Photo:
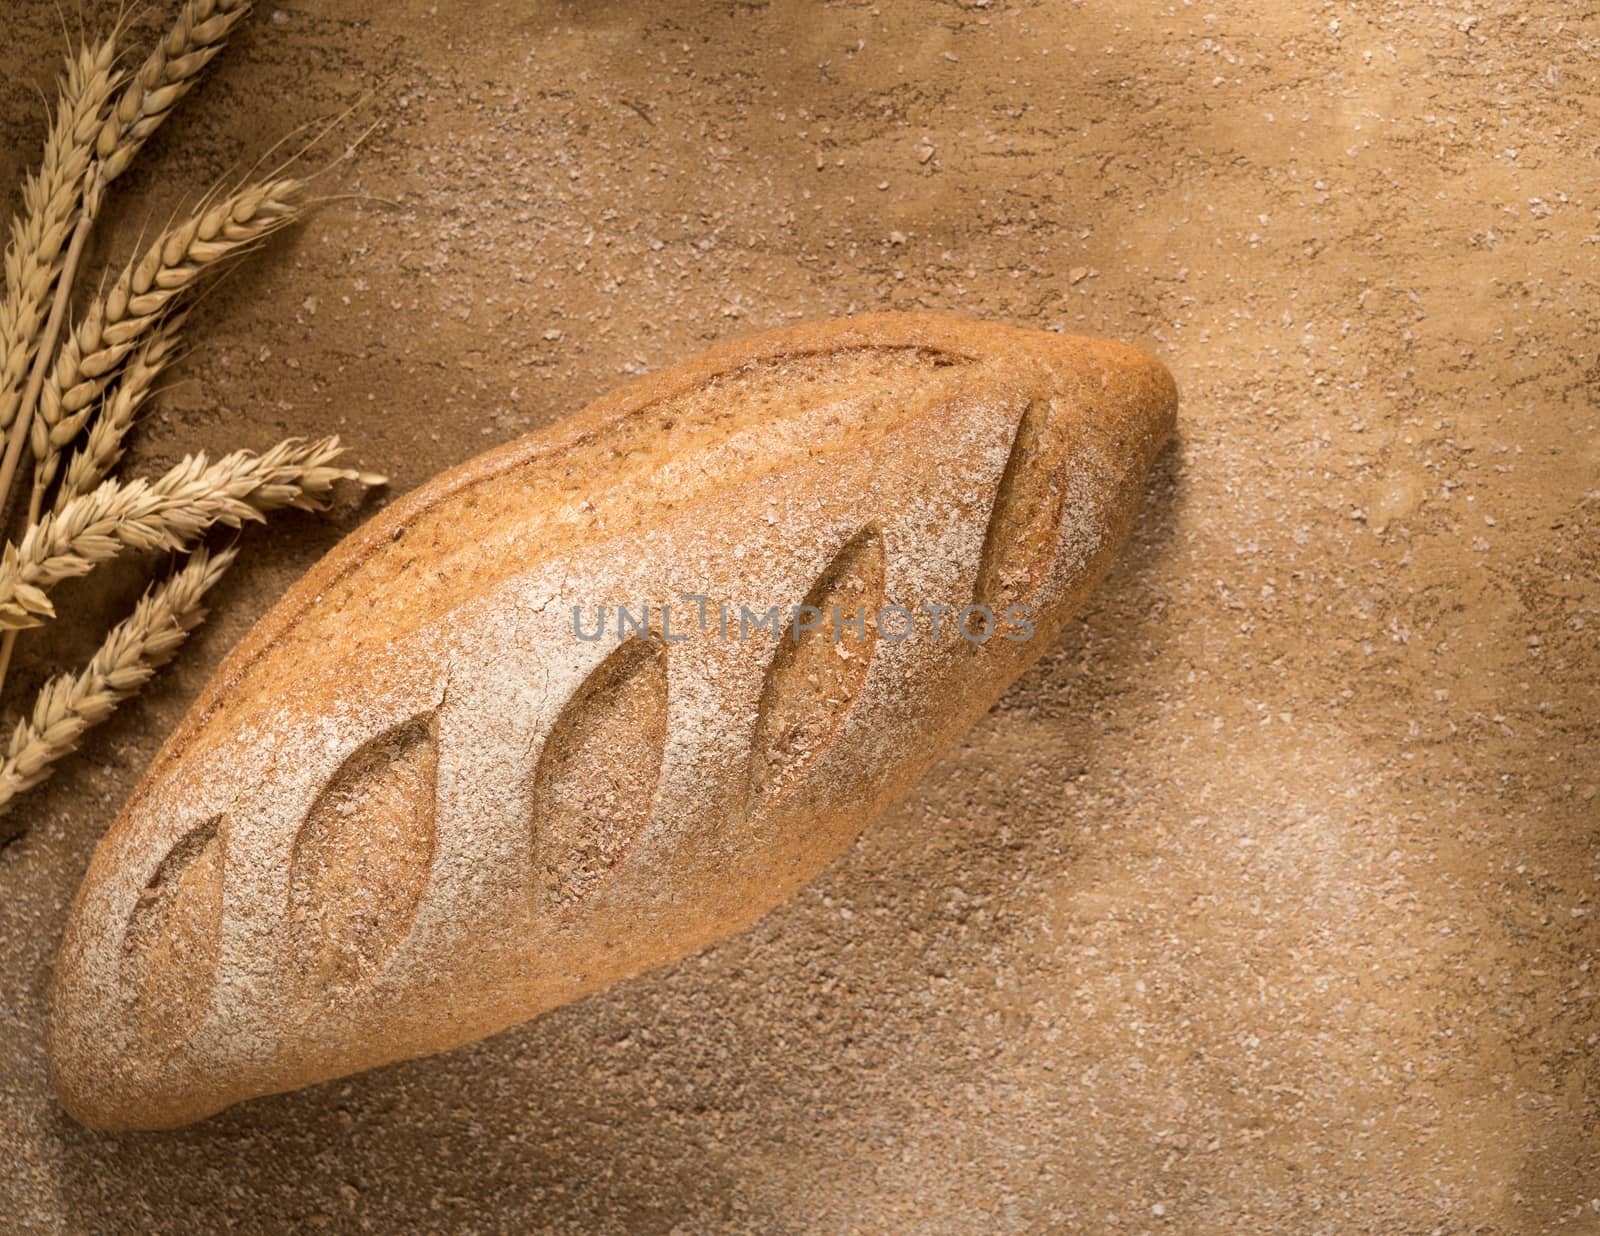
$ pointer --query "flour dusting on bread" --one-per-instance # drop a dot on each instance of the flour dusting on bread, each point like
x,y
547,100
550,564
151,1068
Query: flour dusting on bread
x,y
420,803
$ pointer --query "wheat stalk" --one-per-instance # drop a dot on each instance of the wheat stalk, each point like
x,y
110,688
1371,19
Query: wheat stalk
x,y
50,388
50,202
167,514
165,77
137,646
102,450
145,290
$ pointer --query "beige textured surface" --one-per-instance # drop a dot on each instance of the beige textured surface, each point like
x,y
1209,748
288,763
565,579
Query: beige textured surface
x,y
1268,900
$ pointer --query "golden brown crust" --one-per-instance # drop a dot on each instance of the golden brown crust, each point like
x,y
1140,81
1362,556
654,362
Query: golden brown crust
x,y
887,330
411,808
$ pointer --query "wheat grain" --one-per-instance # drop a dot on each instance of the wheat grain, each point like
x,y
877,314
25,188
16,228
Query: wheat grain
x,y
146,289
136,647
166,76
111,362
50,201
102,450
168,514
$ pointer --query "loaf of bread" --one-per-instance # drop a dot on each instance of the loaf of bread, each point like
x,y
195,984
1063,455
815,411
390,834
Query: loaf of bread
x,y
592,701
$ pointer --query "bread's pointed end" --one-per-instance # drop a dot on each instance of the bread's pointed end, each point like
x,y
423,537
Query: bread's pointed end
x,y
1141,412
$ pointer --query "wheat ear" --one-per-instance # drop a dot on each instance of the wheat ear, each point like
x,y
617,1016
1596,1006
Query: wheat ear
x,y
136,647
103,448
167,514
145,290
50,201
165,77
